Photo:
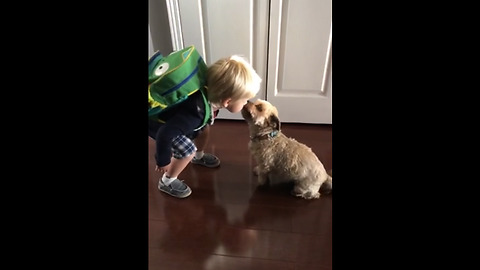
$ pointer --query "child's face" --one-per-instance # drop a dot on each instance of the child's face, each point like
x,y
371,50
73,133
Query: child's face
x,y
235,106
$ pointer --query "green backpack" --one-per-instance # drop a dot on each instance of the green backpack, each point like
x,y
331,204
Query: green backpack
x,y
173,78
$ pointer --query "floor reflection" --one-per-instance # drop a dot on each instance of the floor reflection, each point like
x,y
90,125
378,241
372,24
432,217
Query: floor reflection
x,y
230,223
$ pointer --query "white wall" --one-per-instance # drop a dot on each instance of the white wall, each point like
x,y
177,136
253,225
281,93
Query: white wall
x,y
150,43
159,28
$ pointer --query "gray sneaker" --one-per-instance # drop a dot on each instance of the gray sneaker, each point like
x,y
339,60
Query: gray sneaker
x,y
177,188
208,160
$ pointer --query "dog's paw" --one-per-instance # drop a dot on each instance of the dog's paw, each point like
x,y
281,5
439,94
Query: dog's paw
x,y
307,195
255,170
295,193
262,179
310,196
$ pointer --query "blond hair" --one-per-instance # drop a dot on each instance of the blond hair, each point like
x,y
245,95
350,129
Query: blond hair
x,y
231,77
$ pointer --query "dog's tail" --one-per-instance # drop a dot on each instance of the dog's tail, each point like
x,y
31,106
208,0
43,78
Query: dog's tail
x,y
326,186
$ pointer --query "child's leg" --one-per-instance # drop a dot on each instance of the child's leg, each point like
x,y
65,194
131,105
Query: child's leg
x,y
201,157
202,139
177,166
183,152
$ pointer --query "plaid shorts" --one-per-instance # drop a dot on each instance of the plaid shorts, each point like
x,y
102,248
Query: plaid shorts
x,y
182,147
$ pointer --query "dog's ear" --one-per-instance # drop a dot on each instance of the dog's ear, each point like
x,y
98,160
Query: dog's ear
x,y
275,122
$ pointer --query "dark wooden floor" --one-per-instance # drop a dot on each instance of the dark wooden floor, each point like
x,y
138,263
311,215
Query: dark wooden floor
x,y
228,223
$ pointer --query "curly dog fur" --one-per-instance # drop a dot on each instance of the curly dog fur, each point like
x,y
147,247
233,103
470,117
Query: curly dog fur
x,y
282,157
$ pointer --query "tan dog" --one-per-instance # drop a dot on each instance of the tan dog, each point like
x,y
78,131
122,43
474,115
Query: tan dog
x,y
278,156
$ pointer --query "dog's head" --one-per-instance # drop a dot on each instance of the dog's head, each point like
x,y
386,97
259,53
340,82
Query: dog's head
x,y
261,116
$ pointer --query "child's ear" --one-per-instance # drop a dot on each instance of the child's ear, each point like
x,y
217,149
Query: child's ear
x,y
226,102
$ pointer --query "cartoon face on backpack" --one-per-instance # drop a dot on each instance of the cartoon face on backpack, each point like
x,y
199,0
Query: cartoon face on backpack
x,y
159,67
173,78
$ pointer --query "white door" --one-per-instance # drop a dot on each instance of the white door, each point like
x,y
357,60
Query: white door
x,y
222,28
299,60
296,71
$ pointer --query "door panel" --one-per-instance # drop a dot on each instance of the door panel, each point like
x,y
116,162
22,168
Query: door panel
x,y
299,60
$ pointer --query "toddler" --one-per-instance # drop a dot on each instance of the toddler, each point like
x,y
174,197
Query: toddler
x,y
178,135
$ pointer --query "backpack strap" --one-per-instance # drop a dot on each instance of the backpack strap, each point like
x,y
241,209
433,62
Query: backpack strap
x,y
207,118
208,111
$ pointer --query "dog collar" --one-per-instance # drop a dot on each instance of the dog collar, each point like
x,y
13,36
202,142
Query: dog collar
x,y
270,135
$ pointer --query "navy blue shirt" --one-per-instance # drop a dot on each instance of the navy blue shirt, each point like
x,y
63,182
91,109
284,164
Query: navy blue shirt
x,y
182,119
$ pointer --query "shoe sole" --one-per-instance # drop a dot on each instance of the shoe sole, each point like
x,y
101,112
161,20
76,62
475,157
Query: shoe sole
x,y
203,164
176,196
